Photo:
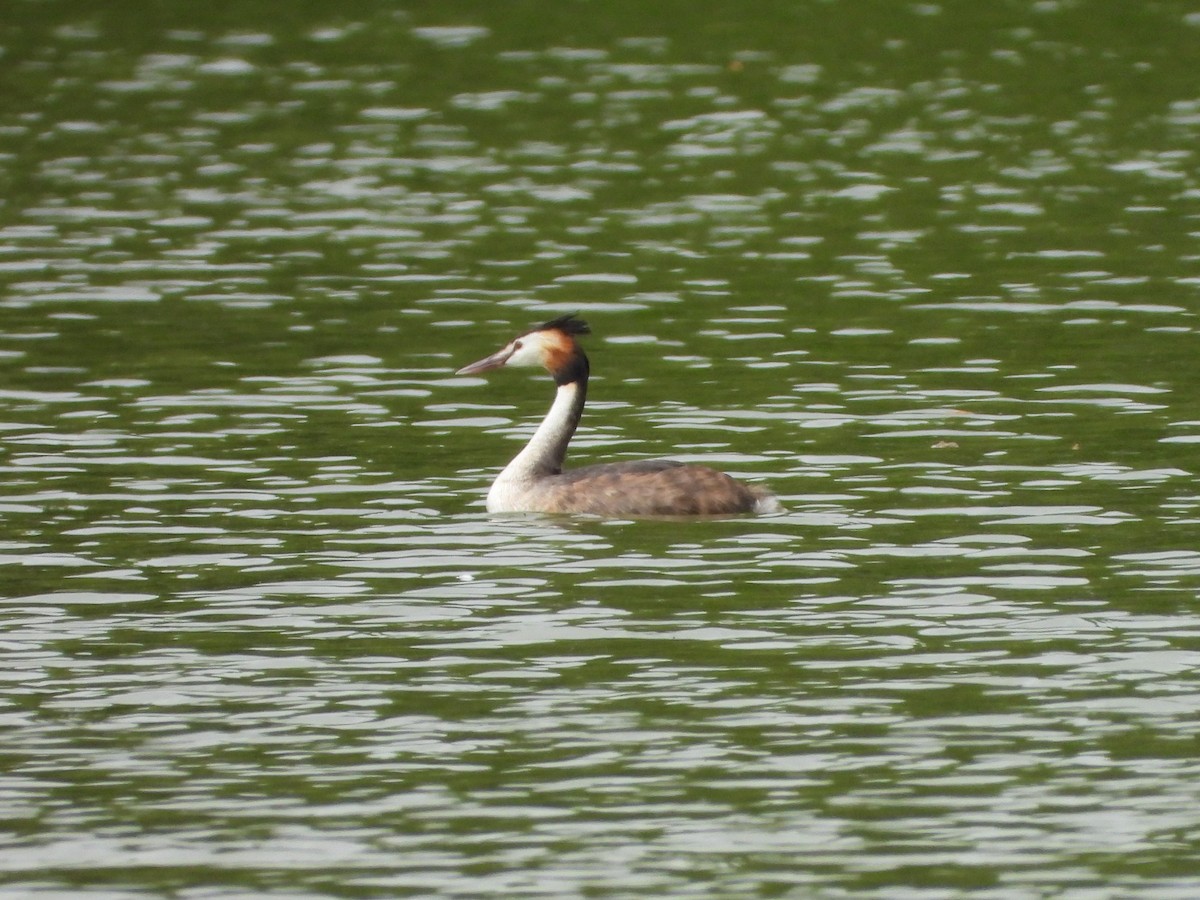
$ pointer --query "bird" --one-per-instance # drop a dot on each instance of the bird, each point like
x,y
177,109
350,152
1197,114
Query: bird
x,y
535,481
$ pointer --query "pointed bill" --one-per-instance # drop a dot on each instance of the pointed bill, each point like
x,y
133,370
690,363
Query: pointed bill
x,y
495,361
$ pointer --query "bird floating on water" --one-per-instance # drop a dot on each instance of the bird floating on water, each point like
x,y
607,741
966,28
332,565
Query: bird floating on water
x,y
535,481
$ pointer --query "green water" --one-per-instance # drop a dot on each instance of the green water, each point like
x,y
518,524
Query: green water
x,y
930,272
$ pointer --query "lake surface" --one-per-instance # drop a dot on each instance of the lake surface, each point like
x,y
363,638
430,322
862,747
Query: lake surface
x,y
930,272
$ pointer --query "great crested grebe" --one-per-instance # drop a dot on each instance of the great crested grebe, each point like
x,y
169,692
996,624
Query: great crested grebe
x,y
535,481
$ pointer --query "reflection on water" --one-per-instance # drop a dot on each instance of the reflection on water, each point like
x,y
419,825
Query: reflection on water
x,y
261,637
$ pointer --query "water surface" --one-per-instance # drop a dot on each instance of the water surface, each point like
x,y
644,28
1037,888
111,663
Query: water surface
x,y
928,273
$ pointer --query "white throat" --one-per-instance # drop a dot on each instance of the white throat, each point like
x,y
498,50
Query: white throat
x,y
546,450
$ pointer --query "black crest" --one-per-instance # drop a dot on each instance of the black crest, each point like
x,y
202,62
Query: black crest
x,y
570,323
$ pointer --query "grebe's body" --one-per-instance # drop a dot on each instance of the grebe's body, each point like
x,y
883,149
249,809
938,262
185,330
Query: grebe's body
x,y
535,481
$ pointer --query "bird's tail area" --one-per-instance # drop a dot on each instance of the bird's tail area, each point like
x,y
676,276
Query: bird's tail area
x,y
765,503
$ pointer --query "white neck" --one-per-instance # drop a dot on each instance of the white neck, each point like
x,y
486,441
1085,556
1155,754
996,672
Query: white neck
x,y
546,450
